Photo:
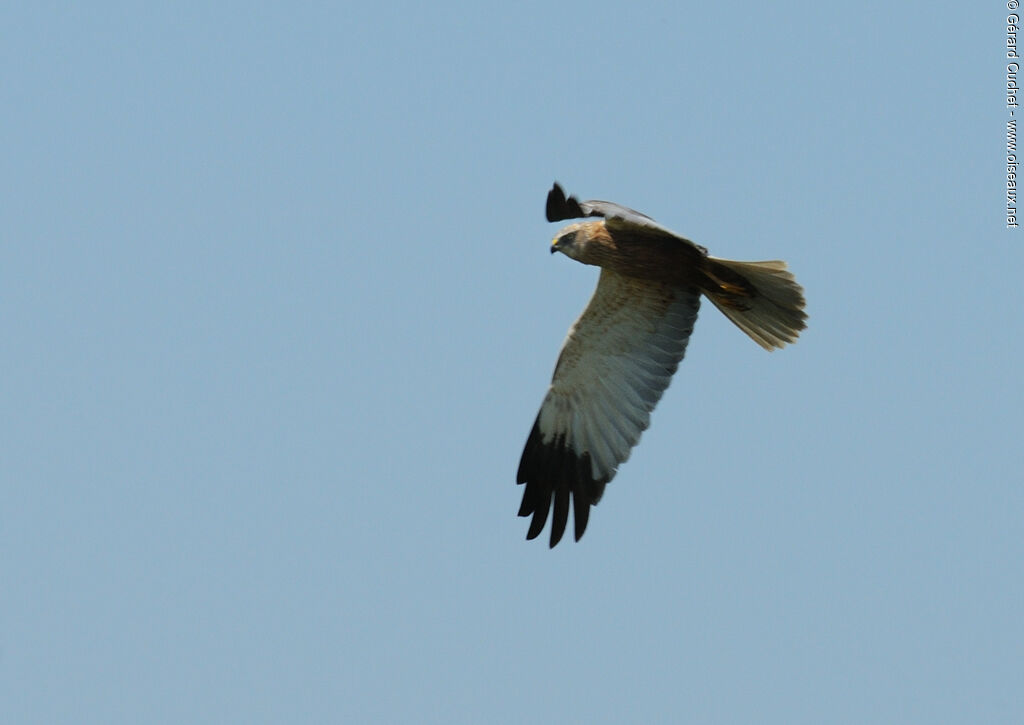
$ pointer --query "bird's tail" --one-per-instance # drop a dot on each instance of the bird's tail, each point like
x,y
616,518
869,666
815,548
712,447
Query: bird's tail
x,y
761,298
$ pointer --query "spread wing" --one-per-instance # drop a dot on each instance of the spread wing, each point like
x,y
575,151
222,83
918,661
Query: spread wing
x,y
615,364
559,207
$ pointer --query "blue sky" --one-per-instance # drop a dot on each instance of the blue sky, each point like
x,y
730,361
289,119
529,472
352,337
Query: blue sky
x,y
277,313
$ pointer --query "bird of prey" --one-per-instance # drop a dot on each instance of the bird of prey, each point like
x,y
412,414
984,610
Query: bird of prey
x,y
620,355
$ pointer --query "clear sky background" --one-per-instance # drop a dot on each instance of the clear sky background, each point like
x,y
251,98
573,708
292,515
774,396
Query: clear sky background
x,y
277,312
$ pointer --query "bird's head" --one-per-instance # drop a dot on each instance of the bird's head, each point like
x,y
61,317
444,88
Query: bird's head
x,y
570,241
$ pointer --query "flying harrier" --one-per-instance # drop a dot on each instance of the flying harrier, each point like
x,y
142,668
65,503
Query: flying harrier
x,y
621,353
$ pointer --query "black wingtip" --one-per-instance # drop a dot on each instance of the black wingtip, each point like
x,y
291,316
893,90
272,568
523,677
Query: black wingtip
x,y
559,207
557,480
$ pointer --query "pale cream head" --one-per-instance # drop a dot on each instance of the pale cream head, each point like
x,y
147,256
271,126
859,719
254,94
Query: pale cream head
x,y
570,240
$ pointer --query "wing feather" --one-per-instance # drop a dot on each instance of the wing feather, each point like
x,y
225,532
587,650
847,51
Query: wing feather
x,y
560,207
615,364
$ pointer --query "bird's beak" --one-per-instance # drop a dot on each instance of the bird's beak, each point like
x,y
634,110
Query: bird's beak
x,y
554,244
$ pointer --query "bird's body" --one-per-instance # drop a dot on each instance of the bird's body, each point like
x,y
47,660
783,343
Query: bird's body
x,y
635,252
620,355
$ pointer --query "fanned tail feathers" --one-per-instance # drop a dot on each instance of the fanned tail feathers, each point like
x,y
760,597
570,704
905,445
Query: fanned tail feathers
x,y
761,298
